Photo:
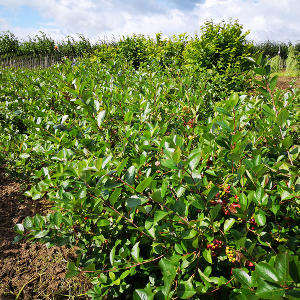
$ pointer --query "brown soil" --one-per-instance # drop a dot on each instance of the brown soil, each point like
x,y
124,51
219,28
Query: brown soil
x,y
27,270
284,82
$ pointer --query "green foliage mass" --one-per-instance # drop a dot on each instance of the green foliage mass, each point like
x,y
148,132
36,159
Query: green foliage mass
x,y
170,184
161,200
222,46
41,45
292,60
276,63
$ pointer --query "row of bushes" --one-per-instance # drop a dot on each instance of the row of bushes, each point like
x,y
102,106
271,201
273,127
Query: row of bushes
x,y
290,64
42,44
221,47
272,49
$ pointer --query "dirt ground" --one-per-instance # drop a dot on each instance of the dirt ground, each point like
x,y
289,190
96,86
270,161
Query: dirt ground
x,y
31,271
284,82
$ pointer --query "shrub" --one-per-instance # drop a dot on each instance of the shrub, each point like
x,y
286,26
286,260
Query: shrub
x,y
9,44
222,46
169,52
138,50
292,60
158,201
39,45
276,63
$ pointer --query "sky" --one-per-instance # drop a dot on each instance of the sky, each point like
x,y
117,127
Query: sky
x,y
275,20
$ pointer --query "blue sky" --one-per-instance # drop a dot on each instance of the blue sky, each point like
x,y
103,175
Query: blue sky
x,y
277,20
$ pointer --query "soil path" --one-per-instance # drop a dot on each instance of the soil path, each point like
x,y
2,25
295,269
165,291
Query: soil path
x,y
31,271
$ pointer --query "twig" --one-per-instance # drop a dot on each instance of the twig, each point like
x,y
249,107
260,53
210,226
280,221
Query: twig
x,y
22,288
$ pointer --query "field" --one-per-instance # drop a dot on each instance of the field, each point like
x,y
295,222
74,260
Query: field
x,y
150,178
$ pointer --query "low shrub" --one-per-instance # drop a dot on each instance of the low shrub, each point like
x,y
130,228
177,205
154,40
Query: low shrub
x,y
160,201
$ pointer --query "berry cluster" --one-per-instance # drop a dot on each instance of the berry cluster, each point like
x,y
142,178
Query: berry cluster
x,y
214,246
230,254
253,223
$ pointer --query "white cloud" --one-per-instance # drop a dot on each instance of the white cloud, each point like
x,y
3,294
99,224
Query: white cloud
x,y
267,19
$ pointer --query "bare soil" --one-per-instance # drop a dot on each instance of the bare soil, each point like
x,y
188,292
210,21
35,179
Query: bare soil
x,y
284,82
31,271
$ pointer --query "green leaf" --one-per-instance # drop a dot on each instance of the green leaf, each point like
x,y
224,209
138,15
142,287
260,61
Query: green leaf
x,y
215,211
260,71
189,234
242,277
100,117
168,163
212,193
176,155
164,187
283,116
103,222
121,166
295,293
223,111
228,224
114,196
144,184
156,196
135,252
234,99
19,228
169,273
57,218
130,175
207,255
135,200
178,248
185,289
72,270
267,272
41,234
282,266
27,223
194,159
260,217
294,267
141,295
98,163
273,82
159,215
243,200
268,290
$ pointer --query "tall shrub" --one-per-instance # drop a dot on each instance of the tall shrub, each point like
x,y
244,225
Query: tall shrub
x,y
222,46
9,44
276,63
291,62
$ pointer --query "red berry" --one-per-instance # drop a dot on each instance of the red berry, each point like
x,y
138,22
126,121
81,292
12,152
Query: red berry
x,y
250,264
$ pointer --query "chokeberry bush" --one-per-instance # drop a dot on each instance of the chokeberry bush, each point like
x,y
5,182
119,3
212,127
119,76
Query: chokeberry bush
x,y
161,200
